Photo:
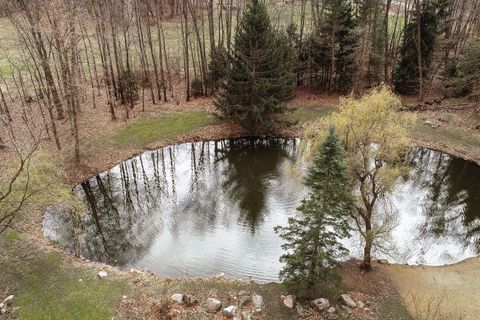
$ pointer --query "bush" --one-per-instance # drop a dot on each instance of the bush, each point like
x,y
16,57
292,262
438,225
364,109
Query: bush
x,y
197,87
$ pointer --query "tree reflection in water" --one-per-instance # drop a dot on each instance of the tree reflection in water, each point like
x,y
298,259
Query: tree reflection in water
x,y
209,207
452,203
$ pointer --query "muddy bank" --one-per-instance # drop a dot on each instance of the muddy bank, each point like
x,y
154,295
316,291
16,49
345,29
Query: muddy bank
x,y
453,288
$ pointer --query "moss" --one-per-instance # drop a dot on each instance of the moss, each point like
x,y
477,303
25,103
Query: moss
x,y
144,132
48,288
11,236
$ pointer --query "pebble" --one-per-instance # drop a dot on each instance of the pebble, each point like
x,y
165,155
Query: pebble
x,y
213,305
289,301
331,310
102,274
257,303
177,297
320,303
229,311
348,301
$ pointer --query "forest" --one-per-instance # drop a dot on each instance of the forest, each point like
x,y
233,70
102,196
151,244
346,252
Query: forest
x,y
113,113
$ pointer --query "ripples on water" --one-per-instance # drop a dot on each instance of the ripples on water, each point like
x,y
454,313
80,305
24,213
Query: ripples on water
x,y
204,208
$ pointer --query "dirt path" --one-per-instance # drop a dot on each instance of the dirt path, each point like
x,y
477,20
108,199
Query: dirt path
x,y
454,288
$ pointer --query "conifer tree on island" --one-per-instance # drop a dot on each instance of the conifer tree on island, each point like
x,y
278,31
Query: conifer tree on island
x,y
260,76
312,239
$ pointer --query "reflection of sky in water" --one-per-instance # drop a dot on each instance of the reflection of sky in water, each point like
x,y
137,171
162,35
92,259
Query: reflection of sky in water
x,y
205,208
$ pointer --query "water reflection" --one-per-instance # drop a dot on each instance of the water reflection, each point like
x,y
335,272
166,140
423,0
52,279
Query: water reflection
x,y
209,207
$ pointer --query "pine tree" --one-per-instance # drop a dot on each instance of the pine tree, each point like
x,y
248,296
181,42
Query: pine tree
x,y
406,75
328,54
260,76
312,240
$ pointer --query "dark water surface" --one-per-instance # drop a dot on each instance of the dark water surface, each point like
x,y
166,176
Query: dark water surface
x,y
201,209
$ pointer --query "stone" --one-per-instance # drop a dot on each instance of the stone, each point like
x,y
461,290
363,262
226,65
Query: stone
x,y
257,303
246,315
244,300
289,301
301,310
348,301
8,300
242,293
177,297
213,305
102,274
189,300
346,309
382,261
229,311
320,303
360,304
331,310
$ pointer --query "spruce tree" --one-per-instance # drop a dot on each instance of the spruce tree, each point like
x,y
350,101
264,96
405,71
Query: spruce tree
x,y
260,76
406,75
312,240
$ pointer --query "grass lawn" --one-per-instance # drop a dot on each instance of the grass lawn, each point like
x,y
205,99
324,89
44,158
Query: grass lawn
x,y
144,132
46,288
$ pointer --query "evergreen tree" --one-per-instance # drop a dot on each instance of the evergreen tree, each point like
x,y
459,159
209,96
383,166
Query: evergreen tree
x,y
217,67
260,76
312,240
345,66
406,75
335,40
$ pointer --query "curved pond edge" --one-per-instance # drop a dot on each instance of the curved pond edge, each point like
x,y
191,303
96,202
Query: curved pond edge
x,y
192,138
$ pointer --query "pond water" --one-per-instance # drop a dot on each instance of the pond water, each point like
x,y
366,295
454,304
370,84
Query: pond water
x,y
201,209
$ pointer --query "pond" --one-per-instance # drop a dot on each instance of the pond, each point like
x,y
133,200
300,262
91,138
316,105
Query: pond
x,y
200,209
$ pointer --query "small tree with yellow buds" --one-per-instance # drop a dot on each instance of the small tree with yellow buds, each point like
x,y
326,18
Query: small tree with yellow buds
x,y
374,135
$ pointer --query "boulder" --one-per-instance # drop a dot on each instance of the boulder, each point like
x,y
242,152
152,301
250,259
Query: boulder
x,y
331,310
348,301
289,301
177,297
213,305
257,303
320,303
229,311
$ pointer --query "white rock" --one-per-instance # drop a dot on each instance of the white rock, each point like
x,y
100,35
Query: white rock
x,y
289,301
346,309
360,304
229,311
8,300
124,297
257,303
348,301
331,310
320,303
213,305
247,315
242,293
177,297
103,274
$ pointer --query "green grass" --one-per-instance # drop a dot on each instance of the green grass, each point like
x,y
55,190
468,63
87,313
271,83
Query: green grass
x,y
304,114
141,133
46,288
450,136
